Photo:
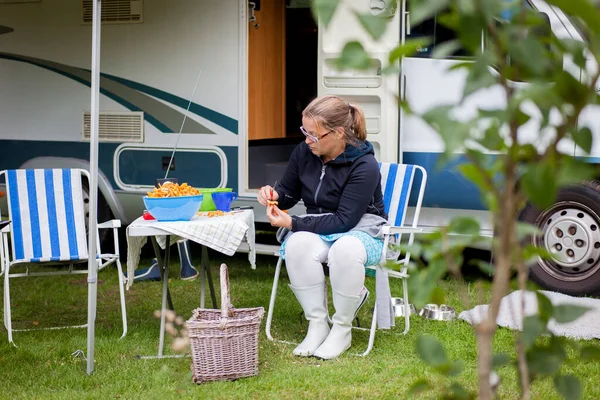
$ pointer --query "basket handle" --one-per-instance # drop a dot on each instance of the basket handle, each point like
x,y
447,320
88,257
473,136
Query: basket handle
x,y
225,300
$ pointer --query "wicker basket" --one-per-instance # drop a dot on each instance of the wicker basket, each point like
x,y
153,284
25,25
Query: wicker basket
x,y
224,343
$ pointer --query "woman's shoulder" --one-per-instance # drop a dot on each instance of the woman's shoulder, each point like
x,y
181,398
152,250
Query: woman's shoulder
x,y
368,161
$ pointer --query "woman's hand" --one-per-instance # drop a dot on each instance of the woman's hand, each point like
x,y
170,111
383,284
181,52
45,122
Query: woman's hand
x,y
265,194
278,218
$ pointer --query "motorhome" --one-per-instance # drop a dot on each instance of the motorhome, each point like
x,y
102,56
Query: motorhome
x,y
211,92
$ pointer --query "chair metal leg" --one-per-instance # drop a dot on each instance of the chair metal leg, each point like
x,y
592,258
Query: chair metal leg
x,y
122,297
272,301
406,308
372,332
7,316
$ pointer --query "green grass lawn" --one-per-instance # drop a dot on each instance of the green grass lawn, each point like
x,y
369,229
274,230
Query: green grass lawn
x,y
43,366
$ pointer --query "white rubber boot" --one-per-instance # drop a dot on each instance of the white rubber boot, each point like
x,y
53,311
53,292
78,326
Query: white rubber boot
x,y
312,299
340,337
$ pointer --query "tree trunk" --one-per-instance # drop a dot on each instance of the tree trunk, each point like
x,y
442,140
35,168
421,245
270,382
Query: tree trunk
x,y
486,330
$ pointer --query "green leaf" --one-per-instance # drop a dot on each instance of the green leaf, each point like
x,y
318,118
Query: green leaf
x,y
569,386
353,56
420,10
445,49
452,368
375,26
531,253
464,226
527,56
459,392
574,170
431,351
569,89
419,386
524,229
583,138
527,153
323,10
564,313
500,360
589,353
409,48
583,9
453,133
475,175
479,76
545,360
545,307
539,184
484,266
532,328
438,296
492,139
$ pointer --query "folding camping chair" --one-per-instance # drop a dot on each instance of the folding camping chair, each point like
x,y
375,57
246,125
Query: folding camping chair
x,y
47,211
397,182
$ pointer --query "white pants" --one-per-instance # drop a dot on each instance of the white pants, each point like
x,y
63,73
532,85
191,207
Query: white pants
x,y
346,258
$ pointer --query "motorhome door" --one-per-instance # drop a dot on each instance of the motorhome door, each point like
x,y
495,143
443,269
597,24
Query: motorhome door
x,y
370,89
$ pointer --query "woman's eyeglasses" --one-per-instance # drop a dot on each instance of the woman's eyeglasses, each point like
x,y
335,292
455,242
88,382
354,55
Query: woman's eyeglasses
x,y
313,138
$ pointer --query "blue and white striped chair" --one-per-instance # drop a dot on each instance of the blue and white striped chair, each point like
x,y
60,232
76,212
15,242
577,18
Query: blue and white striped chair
x,y
397,183
48,214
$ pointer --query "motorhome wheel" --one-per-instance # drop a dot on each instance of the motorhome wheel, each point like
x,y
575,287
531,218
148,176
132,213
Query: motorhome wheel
x,y
570,231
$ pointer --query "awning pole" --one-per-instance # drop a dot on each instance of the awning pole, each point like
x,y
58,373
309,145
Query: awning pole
x,y
93,217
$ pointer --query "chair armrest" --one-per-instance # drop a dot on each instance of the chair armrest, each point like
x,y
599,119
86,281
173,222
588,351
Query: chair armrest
x,y
391,230
113,223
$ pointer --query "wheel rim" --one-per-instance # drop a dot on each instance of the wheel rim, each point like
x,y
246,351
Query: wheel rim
x,y
571,234
86,207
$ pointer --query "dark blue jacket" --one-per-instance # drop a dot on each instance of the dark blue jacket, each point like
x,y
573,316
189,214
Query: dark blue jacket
x,y
345,188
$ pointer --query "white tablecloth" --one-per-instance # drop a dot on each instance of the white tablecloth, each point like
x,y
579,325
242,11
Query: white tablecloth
x,y
224,234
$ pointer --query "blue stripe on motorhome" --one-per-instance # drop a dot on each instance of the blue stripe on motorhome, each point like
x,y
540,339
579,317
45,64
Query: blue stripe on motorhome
x,y
220,119
51,209
446,186
70,214
147,117
408,174
13,153
34,215
15,211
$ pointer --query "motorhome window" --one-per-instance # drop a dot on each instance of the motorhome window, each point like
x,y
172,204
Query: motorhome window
x,y
579,27
439,34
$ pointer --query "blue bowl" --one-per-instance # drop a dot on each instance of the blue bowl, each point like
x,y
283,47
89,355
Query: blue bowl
x,y
181,208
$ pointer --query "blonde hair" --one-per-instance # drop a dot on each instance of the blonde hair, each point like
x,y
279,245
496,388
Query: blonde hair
x,y
332,112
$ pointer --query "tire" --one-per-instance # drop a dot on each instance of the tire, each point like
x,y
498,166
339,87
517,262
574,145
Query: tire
x,y
104,214
570,231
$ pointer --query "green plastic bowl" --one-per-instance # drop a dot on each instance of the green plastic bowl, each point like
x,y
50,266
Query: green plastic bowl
x,y
207,201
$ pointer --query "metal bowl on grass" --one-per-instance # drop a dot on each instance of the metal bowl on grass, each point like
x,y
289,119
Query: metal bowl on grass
x,y
442,312
398,304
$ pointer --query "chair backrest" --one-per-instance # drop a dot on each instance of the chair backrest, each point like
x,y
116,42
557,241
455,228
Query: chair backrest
x,y
47,212
396,185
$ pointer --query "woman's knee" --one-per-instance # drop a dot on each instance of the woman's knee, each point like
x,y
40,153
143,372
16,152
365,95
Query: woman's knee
x,y
305,245
347,250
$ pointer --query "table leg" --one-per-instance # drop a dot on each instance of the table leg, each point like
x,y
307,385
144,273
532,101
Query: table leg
x,y
161,264
165,294
206,270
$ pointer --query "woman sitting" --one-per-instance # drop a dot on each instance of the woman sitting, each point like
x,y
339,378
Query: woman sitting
x,y
335,173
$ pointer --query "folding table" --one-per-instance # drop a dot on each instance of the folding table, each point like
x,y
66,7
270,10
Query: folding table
x,y
222,233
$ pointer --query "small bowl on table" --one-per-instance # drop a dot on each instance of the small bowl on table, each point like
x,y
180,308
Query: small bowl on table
x,y
181,208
